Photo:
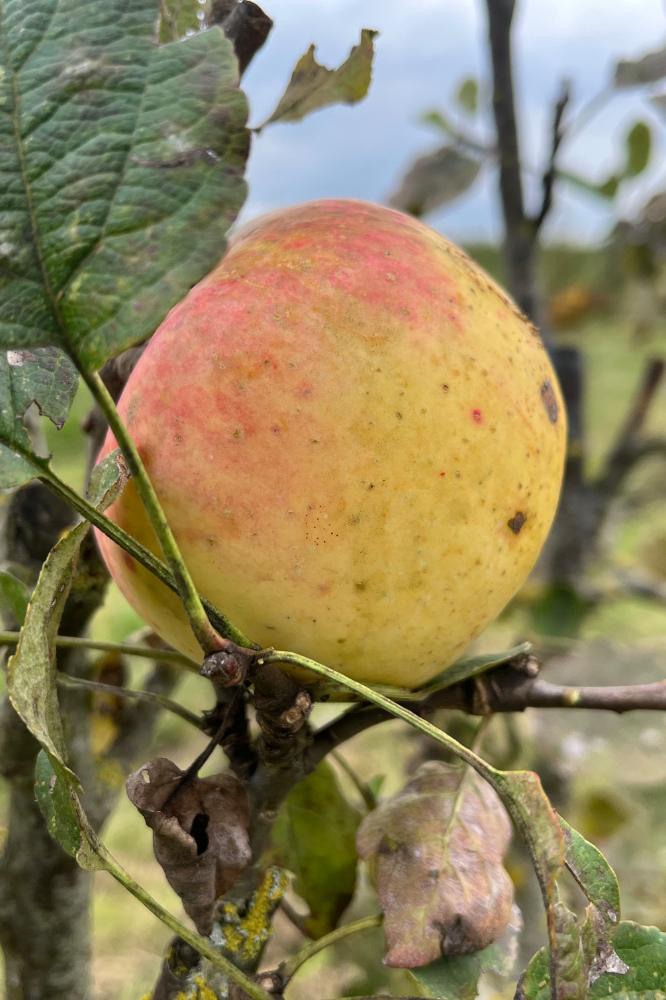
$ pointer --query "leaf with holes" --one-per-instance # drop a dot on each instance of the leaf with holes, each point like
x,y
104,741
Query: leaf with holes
x,y
313,86
435,179
436,850
44,377
121,169
314,837
638,971
200,832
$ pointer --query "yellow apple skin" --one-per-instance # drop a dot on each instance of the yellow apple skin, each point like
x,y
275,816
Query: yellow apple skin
x,y
357,438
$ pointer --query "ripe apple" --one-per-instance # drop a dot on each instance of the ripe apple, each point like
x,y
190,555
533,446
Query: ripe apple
x,y
357,438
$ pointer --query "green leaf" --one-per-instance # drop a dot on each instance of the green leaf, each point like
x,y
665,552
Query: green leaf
x,y
315,838
602,189
121,168
648,69
593,873
456,977
14,597
58,801
313,86
471,666
436,119
44,377
108,480
467,95
434,180
557,610
31,672
638,143
461,670
641,952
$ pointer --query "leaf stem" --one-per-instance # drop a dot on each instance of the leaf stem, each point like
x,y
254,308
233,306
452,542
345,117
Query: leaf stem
x,y
148,697
205,632
289,968
127,648
200,944
142,555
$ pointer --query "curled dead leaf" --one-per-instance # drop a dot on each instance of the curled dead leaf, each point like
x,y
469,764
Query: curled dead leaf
x,y
436,849
200,832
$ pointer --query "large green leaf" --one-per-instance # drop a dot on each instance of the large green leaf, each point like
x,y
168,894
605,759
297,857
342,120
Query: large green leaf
x,y
641,953
315,838
31,672
44,376
313,86
121,167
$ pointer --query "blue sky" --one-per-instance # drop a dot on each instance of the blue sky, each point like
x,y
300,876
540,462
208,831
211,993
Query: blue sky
x,y
424,49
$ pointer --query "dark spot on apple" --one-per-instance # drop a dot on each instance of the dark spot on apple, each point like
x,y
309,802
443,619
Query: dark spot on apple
x,y
517,521
549,400
360,586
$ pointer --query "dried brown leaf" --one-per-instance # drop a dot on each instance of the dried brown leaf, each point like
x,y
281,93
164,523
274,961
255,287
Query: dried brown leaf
x,y
436,848
200,832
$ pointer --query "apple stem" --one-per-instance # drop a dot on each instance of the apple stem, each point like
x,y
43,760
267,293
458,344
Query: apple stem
x,y
205,633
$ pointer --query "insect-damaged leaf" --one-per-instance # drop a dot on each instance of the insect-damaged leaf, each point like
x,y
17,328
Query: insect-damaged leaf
x,y
242,21
638,971
313,86
314,837
436,849
44,377
200,832
31,672
434,179
121,166
108,480
593,873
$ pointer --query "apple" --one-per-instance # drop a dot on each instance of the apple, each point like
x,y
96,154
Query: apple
x,y
357,438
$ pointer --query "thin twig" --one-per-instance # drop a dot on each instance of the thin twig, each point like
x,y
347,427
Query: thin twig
x,y
148,697
506,689
548,180
627,449
126,648
289,968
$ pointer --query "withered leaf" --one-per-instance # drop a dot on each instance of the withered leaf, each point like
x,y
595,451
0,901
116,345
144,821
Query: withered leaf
x,y
437,849
200,832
